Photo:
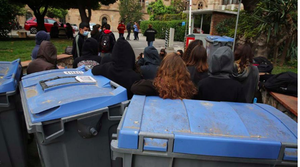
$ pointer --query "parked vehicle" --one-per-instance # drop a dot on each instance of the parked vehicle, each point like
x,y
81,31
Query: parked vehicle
x,y
91,26
74,27
31,24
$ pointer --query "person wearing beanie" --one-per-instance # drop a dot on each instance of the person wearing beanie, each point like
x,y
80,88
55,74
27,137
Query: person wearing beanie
x,y
39,38
121,69
46,58
149,63
219,86
89,56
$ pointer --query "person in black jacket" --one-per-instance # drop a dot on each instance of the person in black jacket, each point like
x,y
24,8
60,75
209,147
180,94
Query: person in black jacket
x,y
54,30
121,68
197,64
245,72
150,35
149,62
107,41
89,56
219,86
128,27
79,40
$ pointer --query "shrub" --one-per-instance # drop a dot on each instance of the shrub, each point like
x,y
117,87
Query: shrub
x,y
162,26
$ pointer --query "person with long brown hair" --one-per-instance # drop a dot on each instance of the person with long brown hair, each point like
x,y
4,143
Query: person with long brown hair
x,y
96,32
245,72
189,49
197,64
172,81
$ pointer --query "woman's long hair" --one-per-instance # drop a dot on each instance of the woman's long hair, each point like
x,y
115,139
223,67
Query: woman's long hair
x,y
173,80
95,29
244,56
189,49
198,59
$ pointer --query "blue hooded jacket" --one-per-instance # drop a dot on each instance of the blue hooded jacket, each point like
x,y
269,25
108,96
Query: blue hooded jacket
x,y
39,38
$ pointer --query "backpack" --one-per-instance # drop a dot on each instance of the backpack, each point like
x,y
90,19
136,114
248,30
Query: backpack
x,y
263,64
68,50
285,83
105,43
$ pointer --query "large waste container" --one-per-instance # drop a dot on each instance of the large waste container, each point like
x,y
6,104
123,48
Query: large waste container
x,y
12,138
163,132
214,42
73,115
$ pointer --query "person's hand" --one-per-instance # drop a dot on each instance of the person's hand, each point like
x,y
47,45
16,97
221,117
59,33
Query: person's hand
x,y
142,55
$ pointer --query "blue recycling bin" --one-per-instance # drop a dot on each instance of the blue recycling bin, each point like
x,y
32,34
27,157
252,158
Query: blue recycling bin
x,y
73,115
12,137
163,132
214,42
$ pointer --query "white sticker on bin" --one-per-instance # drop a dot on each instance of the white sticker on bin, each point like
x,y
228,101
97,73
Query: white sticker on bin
x,y
73,72
85,79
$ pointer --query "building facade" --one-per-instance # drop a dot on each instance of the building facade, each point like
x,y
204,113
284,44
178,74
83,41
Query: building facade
x,y
110,13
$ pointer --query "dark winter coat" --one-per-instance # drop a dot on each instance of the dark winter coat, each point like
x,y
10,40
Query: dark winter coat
x,y
89,56
219,86
54,32
128,27
81,40
39,38
195,75
249,80
46,58
150,63
121,68
96,36
144,87
150,34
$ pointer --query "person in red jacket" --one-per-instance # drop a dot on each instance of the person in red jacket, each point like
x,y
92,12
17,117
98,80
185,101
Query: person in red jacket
x,y
121,29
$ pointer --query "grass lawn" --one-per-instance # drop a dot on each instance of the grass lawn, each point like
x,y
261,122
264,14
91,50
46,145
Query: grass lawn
x,y
278,69
14,49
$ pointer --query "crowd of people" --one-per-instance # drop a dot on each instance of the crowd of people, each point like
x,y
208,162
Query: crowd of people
x,y
223,76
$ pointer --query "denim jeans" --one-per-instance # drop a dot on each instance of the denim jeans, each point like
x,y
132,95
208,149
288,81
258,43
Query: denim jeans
x,y
150,43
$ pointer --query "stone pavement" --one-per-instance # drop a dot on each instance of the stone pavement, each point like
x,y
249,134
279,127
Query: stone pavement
x,y
139,46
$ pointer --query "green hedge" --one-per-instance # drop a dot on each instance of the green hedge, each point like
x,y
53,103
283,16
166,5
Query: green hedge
x,y
162,26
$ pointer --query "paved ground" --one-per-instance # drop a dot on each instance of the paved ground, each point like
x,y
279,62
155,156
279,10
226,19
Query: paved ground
x,y
138,46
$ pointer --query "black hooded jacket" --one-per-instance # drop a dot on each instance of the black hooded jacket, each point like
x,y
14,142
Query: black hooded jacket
x,y
219,86
150,63
89,56
121,68
249,80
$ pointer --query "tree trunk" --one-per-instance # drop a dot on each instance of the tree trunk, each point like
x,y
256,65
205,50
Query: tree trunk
x,y
250,5
39,16
285,50
83,15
